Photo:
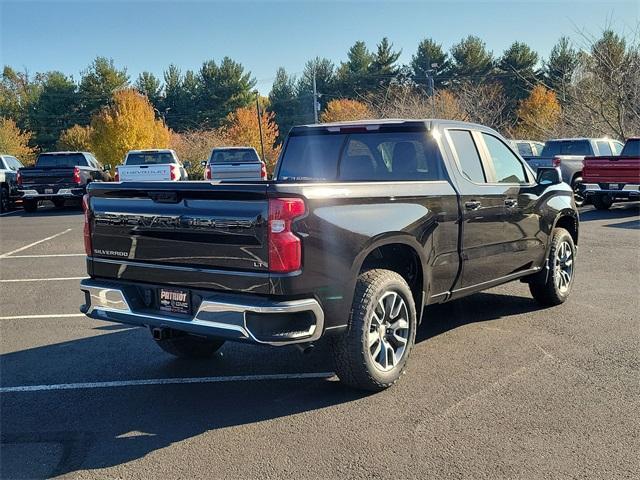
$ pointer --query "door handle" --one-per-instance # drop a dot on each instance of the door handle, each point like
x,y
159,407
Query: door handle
x,y
472,205
511,202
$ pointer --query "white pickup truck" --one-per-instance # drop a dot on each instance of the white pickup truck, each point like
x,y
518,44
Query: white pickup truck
x,y
151,166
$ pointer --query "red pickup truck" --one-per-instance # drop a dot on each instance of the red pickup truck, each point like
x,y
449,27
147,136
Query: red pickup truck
x,y
607,179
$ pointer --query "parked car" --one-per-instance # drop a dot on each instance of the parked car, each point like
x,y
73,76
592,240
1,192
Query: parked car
x,y
611,178
151,166
528,148
59,176
364,224
234,163
568,153
9,167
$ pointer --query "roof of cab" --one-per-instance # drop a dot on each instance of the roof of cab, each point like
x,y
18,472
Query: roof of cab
x,y
427,123
152,150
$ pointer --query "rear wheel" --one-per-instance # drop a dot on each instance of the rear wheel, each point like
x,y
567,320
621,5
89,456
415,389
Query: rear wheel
x,y
30,205
184,345
556,287
373,353
58,202
602,202
5,203
578,196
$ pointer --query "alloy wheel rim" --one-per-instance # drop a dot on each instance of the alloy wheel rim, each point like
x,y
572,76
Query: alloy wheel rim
x,y
577,195
388,331
563,267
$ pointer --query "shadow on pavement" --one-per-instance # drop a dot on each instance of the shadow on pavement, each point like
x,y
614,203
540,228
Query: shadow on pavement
x,y
52,433
619,210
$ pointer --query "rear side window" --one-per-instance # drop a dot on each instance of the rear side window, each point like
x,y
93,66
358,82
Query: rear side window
x,y
468,157
149,158
567,147
370,156
617,147
604,148
236,155
61,160
506,165
525,150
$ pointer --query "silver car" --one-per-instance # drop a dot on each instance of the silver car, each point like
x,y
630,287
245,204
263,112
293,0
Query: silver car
x,y
234,163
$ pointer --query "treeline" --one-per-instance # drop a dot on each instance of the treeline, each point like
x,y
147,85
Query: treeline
x,y
590,91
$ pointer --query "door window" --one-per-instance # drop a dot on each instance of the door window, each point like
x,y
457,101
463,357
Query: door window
x,y
506,165
604,148
468,157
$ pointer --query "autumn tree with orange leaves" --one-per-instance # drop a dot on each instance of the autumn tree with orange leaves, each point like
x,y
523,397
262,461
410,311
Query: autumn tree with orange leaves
x,y
344,109
538,115
242,130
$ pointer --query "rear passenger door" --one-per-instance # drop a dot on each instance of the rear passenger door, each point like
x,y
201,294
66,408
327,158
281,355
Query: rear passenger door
x,y
482,210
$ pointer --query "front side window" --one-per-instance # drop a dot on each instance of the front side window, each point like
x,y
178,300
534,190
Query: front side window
x,y
468,157
524,149
506,165
14,164
617,147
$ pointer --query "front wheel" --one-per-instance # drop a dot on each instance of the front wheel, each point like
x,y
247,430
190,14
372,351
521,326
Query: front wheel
x,y
5,201
556,287
184,345
30,205
373,352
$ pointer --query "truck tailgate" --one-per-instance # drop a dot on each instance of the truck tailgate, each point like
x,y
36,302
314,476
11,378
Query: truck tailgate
x,y
46,176
144,173
236,171
190,226
611,170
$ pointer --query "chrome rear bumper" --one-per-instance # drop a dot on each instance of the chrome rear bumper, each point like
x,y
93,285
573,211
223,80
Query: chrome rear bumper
x,y
219,315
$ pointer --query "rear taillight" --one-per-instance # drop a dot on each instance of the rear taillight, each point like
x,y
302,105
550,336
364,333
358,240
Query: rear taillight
x,y
88,248
207,172
117,175
556,161
76,175
19,178
174,172
285,248
263,171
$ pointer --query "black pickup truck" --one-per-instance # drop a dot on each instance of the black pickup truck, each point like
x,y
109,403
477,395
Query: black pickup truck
x,y
59,176
364,224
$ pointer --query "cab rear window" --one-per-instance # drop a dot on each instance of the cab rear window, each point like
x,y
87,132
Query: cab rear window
x,y
362,156
149,158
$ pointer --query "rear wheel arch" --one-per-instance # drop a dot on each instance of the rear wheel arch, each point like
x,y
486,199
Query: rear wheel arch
x,y
402,257
568,221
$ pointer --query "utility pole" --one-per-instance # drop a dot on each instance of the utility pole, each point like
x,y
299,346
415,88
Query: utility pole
x,y
316,104
260,124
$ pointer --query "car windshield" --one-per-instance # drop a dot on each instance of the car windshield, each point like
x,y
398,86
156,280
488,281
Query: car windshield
x,y
567,147
149,158
236,155
61,160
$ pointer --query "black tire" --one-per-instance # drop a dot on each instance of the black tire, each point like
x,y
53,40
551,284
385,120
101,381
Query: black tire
x,y
602,202
5,200
58,202
578,196
552,290
356,363
184,345
30,205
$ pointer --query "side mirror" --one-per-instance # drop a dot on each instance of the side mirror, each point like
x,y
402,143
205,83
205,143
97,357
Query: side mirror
x,y
203,163
548,176
106,168
186,164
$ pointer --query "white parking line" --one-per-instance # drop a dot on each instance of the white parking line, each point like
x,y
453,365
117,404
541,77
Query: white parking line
x,y
15,280
165,381
55,315
46,256
9,213
34,243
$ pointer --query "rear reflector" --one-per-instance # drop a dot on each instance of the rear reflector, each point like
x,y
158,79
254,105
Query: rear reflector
x,y
88,247
207,172
285,248
76,175
556,161
117,176
19,178
263,171
174,174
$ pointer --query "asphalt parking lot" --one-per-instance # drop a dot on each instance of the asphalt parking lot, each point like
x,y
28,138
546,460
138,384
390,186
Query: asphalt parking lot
x,y
496,387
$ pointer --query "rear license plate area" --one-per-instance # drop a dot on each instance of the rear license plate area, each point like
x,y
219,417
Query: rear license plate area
x,y
48,190
173,300
614,186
